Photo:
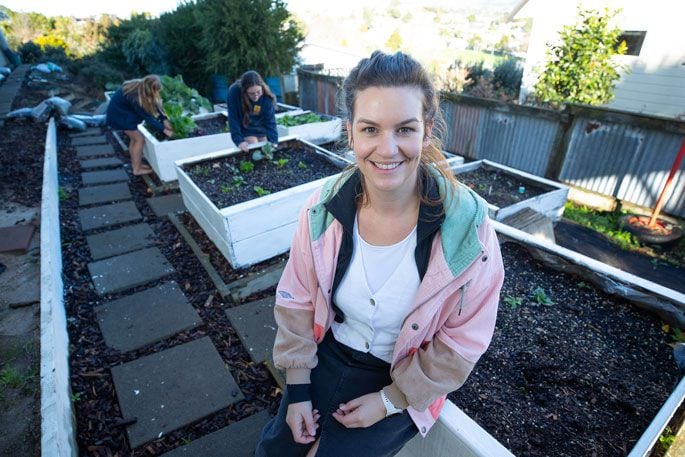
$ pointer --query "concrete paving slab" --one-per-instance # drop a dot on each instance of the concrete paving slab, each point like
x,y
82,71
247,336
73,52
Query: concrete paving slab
x,y
120,241
97,150
256,327
101,163
104,194
90,139
93,131
20,282
173,388
16,237
104,176
108,215
172,203
127,271
236,440
146,317
14,213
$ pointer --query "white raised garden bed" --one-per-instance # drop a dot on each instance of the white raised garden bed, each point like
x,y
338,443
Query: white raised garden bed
x,y
316,132
282,107
257,229
162,154
550,203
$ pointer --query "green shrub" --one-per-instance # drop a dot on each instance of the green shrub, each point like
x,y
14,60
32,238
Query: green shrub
x,y
507,76
30,52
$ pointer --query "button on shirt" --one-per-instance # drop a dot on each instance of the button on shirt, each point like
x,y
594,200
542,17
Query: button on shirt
x,y
376,294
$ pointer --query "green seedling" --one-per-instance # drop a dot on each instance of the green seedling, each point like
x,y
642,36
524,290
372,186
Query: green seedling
x,y
541,297
260,191
512,301
301,165
11,377
666,439
266,152
63,194
280,163
246,166
76,397
301,119
225,188
201,170
238,181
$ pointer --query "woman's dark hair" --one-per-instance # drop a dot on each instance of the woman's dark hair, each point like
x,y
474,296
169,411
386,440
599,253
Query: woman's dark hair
x,y
398,70
250,79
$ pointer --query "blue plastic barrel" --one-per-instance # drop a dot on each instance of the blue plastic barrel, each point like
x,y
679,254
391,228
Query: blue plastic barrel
x,y
274,83
219,88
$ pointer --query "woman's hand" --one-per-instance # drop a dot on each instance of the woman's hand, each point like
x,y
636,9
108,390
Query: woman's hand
x,y
243,146
168,132
361,412
302,421
167,125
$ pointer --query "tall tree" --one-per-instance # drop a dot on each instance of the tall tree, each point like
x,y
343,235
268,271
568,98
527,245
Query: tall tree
x,y
240,35
581,68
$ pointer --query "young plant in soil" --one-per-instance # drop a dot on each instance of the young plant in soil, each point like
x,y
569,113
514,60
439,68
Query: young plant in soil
x,y
245,177
200,127
301,119
499,188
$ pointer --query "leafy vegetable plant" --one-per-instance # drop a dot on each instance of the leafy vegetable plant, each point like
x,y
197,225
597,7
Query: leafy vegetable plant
x,y
260,191
266,152
181,124
541,297
301,119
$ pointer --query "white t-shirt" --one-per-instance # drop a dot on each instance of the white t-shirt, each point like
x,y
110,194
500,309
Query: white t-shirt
x,y
376,294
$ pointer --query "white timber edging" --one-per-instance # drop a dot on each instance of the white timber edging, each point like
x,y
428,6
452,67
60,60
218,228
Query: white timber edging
x,y
58,433
550,203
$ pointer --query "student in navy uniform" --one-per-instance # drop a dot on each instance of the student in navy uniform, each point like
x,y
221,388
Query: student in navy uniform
x,y
251,111
136,101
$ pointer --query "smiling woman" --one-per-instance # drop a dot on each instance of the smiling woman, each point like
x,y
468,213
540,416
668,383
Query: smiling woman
x,y
390,293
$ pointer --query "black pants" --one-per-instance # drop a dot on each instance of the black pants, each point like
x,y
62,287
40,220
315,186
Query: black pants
x,y
341,375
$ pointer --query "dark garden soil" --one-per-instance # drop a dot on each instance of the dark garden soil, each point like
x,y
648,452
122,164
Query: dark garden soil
x,y
583,376
225,184
22,149
500,188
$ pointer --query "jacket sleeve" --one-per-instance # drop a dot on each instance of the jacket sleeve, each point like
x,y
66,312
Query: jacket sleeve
x,y
145,116
295,346
442,365
270,121
235,114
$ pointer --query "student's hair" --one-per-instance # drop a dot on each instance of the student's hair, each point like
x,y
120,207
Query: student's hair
x,y
401,70
250,79
147,91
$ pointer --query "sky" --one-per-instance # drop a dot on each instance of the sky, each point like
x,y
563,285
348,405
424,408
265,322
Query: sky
x,y
81,8
124,8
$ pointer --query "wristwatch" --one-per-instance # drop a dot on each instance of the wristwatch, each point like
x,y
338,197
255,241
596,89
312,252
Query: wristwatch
x,y
390,409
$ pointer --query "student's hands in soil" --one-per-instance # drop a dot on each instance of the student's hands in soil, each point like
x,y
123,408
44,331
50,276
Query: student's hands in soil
x,y
303,421
361,412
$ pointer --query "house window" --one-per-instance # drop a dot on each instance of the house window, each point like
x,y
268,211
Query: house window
x,y
634,40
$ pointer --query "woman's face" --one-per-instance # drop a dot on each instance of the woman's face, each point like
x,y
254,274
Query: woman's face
x,y
254,93
387,135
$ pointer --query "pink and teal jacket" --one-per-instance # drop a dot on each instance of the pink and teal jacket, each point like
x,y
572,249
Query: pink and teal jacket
x,y
453,316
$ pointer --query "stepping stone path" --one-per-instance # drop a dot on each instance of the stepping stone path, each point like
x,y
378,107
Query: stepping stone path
x,y
10,88
103,194
101,163
97,150
173,388
104,177
236,440
146,317
172,203
130,270
105,216
256,327
120,241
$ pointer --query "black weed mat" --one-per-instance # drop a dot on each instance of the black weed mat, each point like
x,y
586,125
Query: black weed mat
x,y
582,376
98,417
22,150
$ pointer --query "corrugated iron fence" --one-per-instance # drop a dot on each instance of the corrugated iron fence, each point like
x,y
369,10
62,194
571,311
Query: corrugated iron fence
x,y
623,155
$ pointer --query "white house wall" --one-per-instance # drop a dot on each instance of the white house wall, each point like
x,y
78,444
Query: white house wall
x,y
655,82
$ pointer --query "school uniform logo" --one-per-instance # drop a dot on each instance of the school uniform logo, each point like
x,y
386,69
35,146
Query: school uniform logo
x,y
256,109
